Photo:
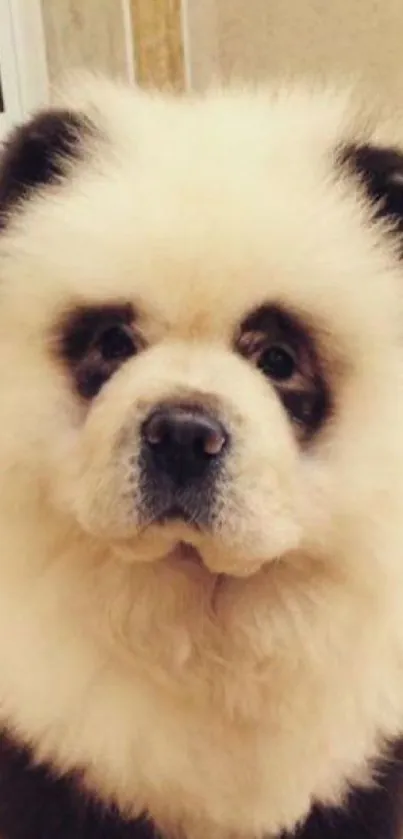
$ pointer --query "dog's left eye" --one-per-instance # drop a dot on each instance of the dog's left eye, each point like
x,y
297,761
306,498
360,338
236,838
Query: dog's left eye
x,y
284,350
277,363
116,343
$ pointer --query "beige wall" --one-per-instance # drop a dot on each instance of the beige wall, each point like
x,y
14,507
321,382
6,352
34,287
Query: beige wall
x,y
85,33
265,38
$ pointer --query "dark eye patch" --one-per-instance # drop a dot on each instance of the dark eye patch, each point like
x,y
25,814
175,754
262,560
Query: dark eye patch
x,y
283,348
93,342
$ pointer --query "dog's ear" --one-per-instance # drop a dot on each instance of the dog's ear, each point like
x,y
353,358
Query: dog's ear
x,y
380,170
39,153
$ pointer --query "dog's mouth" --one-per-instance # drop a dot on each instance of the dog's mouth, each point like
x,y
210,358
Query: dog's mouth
x,y
186,552
182,526
175,539
181,523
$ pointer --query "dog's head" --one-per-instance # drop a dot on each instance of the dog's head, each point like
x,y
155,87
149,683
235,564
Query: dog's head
x,y
198,319
200,325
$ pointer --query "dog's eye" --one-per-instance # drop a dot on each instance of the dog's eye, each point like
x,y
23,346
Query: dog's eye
x,y
95,341
277,363
283,348
116,343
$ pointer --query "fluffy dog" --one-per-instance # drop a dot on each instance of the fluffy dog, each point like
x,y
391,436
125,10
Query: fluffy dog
x,y
201,458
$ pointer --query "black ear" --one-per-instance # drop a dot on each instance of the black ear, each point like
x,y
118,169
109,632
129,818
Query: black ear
x,y
38,153
380,169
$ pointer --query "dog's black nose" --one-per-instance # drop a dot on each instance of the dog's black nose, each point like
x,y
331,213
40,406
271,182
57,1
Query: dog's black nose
x,y
183,442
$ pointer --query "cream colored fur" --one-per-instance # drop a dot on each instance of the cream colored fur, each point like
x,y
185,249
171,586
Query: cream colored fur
x,y
224,705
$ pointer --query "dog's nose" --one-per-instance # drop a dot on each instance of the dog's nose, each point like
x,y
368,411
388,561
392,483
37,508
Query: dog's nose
x,y
183,442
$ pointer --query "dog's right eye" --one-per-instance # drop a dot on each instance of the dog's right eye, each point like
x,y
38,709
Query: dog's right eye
x,y
95,342
116,343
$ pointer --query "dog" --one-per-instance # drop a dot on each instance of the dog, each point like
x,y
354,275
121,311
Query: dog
x,y
201,459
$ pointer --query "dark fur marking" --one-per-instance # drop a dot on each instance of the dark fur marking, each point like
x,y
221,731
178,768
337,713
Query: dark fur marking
x,y
381,172
306,396
75,342
79,326
37,153
375,813
35,804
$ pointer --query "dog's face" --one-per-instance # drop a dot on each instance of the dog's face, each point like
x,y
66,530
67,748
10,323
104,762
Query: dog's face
x,y
200,347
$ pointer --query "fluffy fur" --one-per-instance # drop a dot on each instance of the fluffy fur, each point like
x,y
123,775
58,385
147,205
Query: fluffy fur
x,y
223,696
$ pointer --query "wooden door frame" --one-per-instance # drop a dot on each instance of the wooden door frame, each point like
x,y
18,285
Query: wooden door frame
x,y
159,53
